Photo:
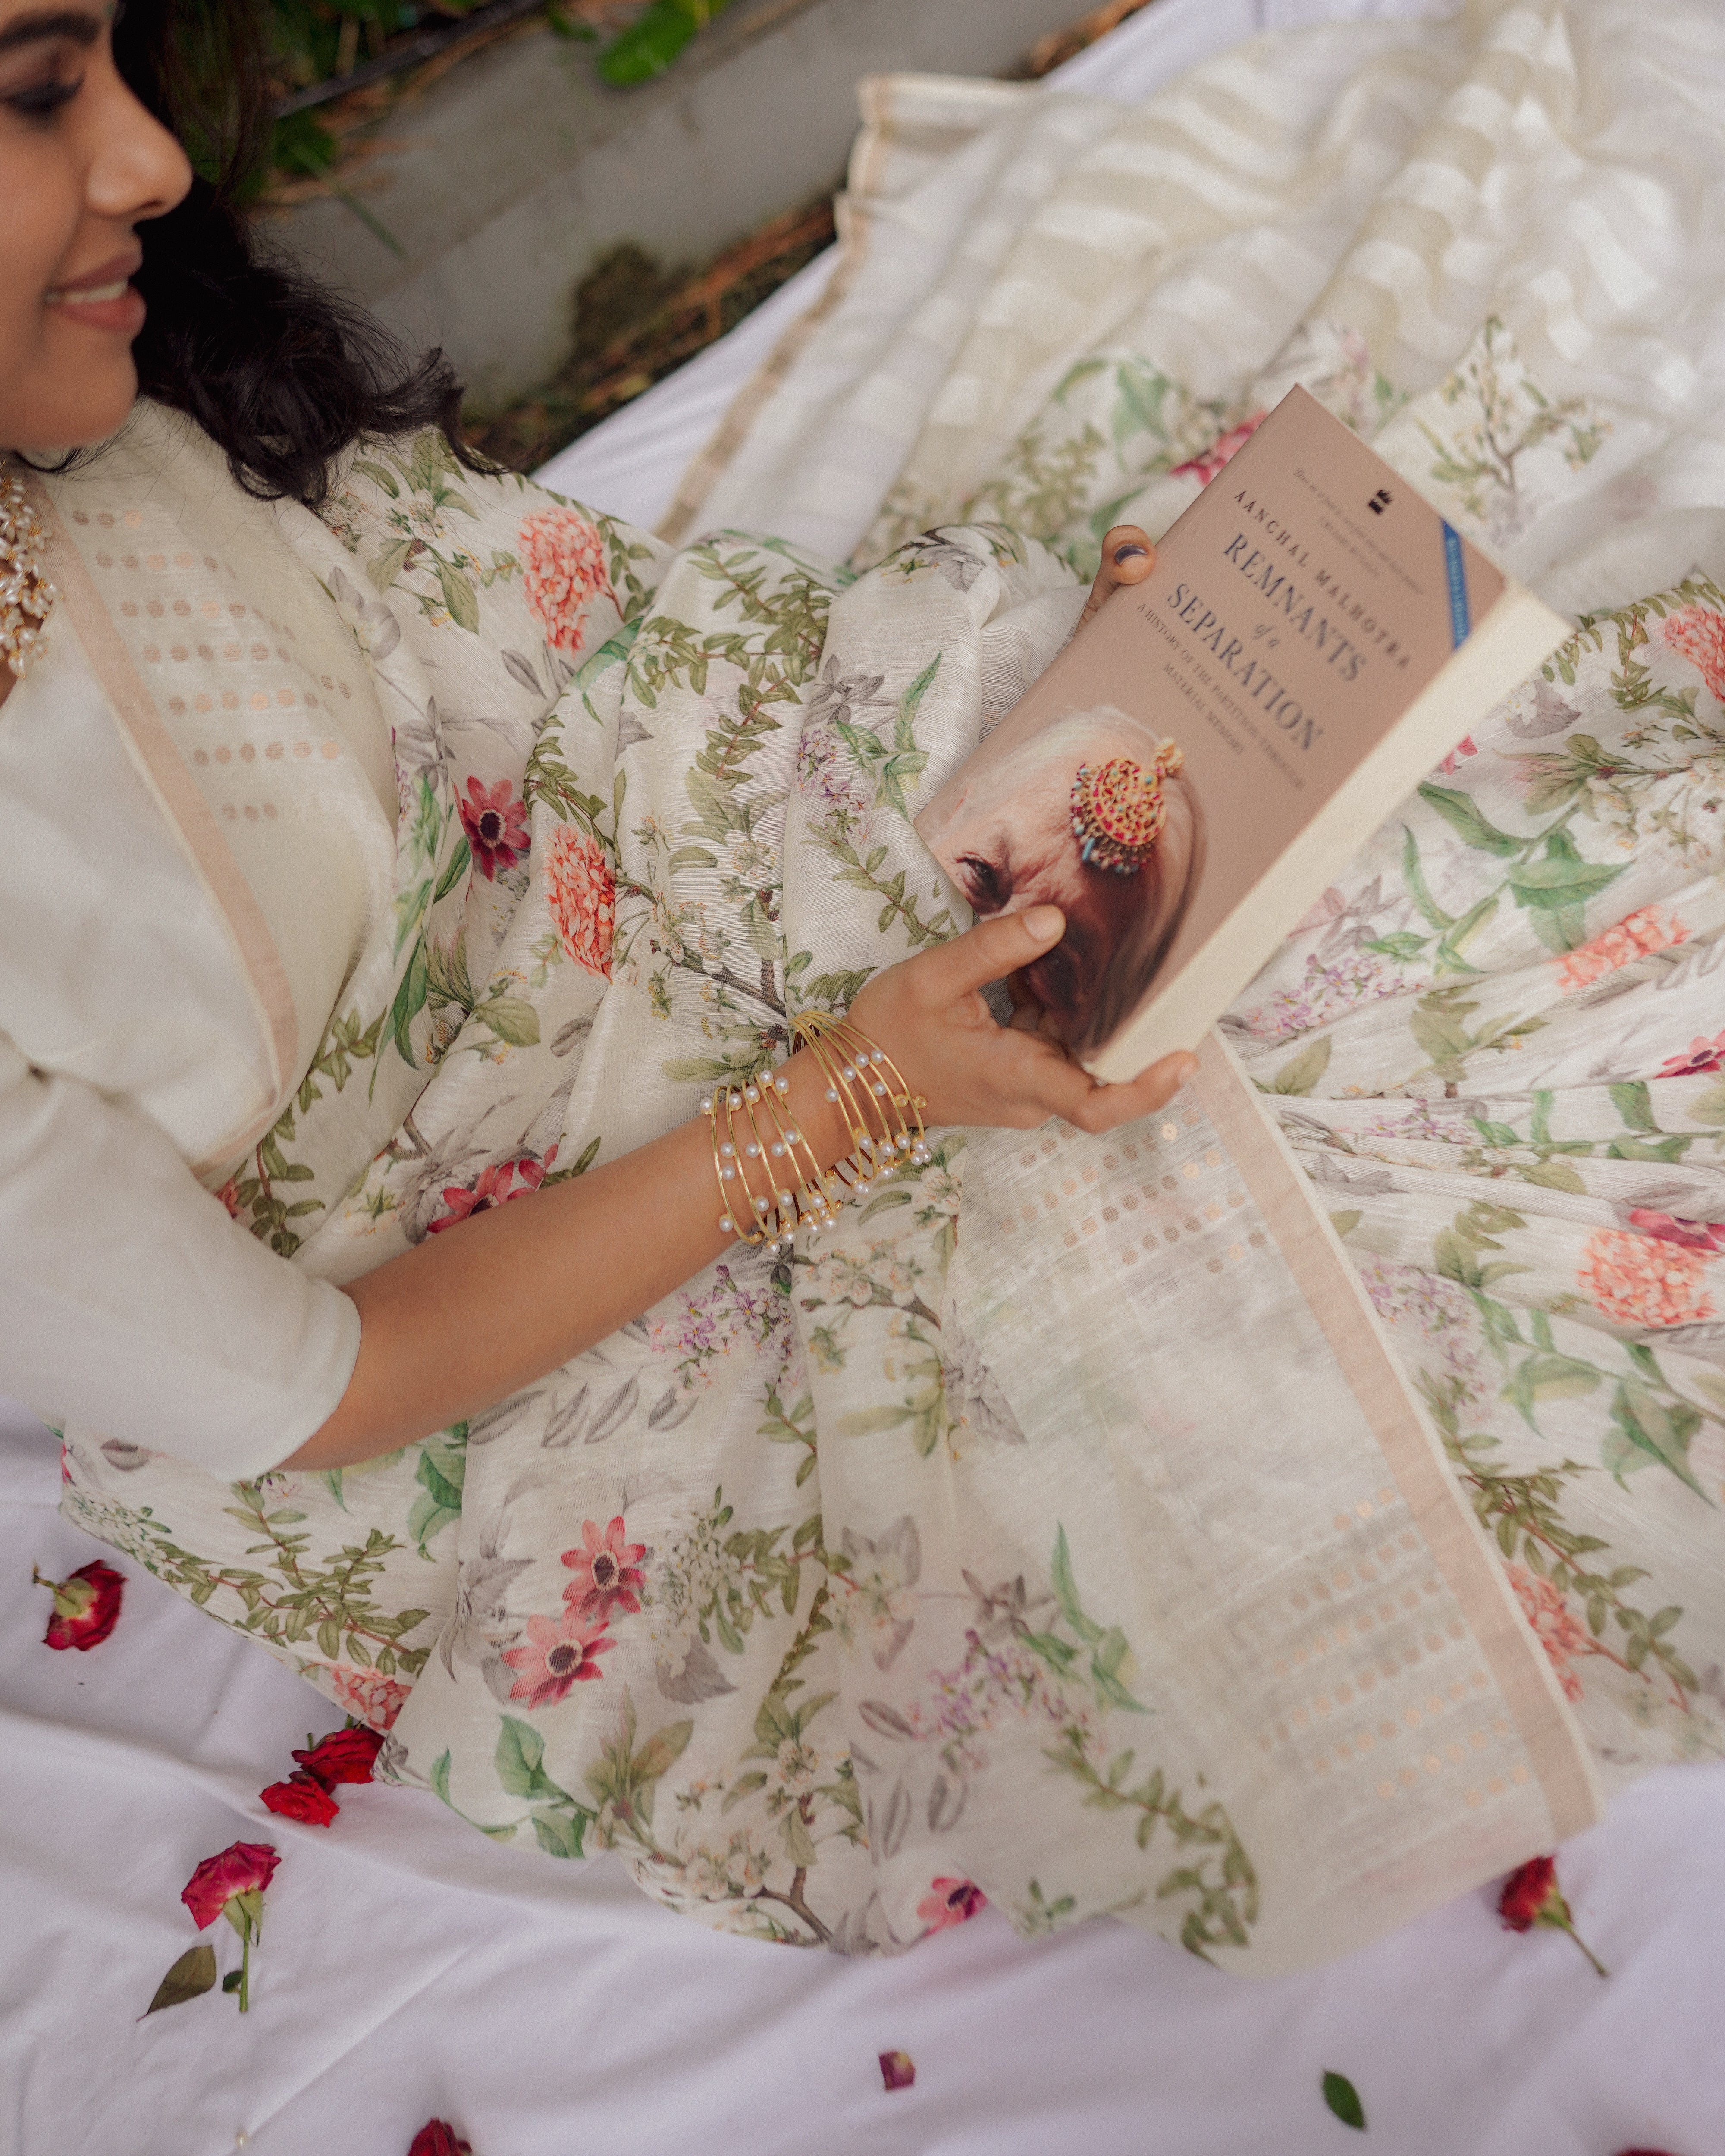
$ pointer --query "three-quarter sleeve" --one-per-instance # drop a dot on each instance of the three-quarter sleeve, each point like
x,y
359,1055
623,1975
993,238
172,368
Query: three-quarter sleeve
x,y
130,1301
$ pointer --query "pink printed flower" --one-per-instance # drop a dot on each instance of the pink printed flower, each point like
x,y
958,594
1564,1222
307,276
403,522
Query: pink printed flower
x,y
229,1195
606,1573
1637,936
556,1657
497,1185
369,1696
563,570
1699,633
581,893
1703,1055
950,1901
244,1867
1205,467
1559,1631
1642,1281
1705,1235
496,826
1464,748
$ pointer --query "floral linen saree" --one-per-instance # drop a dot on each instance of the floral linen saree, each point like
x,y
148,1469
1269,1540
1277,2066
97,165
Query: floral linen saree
x,y
1059,1530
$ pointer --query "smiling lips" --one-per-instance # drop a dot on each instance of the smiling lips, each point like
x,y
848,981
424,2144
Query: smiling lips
x,y
103,298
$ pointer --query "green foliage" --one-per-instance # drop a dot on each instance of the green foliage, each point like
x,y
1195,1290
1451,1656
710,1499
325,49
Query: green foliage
x,y
1343,2098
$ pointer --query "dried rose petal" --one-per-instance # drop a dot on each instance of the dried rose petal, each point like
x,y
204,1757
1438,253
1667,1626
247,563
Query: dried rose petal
x,y
86,1607
301,1797
897,2069
345,1755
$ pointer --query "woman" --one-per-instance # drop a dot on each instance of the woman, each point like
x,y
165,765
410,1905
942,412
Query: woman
x,y
1009,841
278,380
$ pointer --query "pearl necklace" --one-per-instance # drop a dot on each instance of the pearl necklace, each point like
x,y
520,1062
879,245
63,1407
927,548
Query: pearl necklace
x,y
27,596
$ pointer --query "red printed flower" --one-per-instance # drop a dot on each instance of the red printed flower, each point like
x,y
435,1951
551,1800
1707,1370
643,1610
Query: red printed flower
x,y
1203,468
1699,633
1465,746
244,1867
897,2070
375,1700
345,1755
86,1607
1706,1236
438,2137
950,1901
1703,1055
554,1657
301,1797
1559,1631
1531,1896
563,570
496,827
606,1573
496,1186
581,893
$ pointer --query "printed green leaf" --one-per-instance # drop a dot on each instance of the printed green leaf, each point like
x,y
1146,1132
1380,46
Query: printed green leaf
x,y
512,1019
1415,878
1402,946
520,1750
1458,812
1550,884
1710,1108
1302,1072
459,864
1066,1589
379,475
694,857
1343,2099
903,732
1344,1223
385,565
409,1002
662,1751
1554,1175
459,596
560,1833
1651,1427
1634,1103
191,1976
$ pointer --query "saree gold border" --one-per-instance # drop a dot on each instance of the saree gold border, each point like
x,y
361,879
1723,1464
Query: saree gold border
x,y
189,815
1336,1298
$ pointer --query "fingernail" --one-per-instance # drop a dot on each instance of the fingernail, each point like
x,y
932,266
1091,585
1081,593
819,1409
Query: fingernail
x,y
1126,553
1044,923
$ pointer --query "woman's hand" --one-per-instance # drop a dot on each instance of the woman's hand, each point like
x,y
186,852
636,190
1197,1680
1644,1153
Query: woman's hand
x,y
928,1016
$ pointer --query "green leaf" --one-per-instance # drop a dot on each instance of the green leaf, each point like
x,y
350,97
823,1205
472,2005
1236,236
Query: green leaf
x,y
520,1749
560,1833
1415,878
1066,1589
1448,958
693,857
379,475
191,1976
1553,1175
459,864
1652,1427
650,44
233,1980
1459,813
1634,1103
1302,1072
1402,947
1344,1223
385,565
903,732
871,1422
440,1776
1710,1108
662,1751
1343,2098
1551,884
512,1019
409,1002
459,596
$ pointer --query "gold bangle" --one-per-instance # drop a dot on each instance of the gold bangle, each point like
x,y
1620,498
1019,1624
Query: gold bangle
x,y
728,1167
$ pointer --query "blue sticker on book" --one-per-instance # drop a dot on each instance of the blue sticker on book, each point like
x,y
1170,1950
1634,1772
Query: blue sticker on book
x,y
1460,621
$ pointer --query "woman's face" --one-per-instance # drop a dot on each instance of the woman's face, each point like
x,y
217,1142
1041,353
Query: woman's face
x,y
1019,852
81,165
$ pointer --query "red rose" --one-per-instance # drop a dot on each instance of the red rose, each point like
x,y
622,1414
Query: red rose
x,y
301,1797
345,1755
438,2137
243,1868
86,1607
1531,1896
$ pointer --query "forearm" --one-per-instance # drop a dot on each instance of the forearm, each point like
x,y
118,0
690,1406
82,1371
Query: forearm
x,y
478,1312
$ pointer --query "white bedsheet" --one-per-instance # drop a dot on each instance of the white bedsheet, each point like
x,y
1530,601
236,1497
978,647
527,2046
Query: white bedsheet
x,y
411,1969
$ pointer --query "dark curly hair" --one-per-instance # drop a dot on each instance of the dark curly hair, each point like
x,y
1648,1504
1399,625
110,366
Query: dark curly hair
x,y
280,370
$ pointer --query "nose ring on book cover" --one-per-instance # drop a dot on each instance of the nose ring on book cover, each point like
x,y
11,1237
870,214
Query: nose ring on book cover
x,y
1118,808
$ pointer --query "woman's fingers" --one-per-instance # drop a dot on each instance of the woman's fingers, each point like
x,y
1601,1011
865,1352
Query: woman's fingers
x,y
1127,558
1065,1089
991,951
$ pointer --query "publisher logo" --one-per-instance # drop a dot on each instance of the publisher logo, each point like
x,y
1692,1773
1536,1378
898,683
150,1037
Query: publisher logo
x,y
1379,501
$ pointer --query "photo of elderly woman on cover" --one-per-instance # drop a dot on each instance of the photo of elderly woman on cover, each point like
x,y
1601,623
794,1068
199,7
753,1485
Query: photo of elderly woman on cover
x,y
1096,816
512,1200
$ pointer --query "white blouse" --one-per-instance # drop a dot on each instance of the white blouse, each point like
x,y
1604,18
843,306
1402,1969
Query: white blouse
x,y
138,1064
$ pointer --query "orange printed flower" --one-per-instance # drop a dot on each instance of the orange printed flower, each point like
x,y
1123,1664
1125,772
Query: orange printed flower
x,y
581,893
563,571
1559,1631
1640,1279
372,1698
1699,633
1205,467
1637,936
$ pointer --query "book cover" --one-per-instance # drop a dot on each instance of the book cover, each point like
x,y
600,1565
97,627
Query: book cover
x,y
1187,777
